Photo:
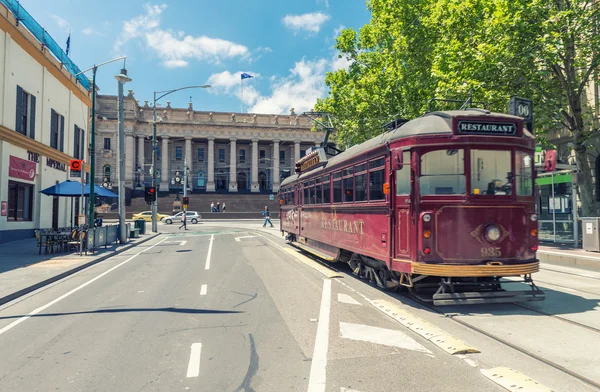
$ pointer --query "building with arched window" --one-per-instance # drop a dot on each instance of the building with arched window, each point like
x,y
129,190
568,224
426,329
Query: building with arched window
x,y
225,152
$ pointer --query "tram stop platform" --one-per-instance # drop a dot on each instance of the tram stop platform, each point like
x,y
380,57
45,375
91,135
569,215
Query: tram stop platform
x,y
569,256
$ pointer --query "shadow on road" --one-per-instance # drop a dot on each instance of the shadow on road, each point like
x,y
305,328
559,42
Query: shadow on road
x,y
171,310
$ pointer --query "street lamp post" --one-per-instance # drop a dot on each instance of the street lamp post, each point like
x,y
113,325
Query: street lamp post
x,y
92,148
155,145
122,78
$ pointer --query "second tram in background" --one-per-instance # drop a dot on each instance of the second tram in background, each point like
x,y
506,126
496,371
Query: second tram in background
x,y
442,204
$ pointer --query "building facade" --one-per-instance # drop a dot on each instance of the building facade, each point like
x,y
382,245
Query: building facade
x,y
44,114
225,152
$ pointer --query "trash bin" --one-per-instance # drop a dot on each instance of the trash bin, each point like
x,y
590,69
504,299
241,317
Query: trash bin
x,y
140,224
591,235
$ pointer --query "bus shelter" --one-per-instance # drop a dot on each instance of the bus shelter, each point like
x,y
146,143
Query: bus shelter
x,y
557,205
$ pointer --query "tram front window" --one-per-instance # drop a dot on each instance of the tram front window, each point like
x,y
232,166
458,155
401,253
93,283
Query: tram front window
x,y
443,173
491,172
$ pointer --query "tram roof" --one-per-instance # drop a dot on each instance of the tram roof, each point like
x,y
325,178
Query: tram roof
x,y
433,123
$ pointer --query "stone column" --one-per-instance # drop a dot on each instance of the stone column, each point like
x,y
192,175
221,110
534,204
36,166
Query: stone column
x,y
141,157
210,184
276,165
188,151
164,158
296,151
255,187
232,165
129,160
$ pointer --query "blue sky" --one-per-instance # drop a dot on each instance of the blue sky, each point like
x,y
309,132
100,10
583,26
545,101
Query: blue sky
x,y
286,45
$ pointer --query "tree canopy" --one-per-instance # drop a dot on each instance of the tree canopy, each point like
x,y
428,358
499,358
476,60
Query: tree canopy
x,y
414,50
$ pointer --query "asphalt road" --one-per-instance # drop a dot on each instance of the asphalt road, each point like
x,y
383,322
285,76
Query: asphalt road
x,y
220,309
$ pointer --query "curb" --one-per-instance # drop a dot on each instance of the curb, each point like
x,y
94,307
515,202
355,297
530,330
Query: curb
x,y
27,290
589,263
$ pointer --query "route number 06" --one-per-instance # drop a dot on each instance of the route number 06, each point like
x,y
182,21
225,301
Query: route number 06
x,y
523,110
491,252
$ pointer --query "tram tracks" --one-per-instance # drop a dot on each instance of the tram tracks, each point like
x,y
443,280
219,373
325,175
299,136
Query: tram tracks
x,y
458,318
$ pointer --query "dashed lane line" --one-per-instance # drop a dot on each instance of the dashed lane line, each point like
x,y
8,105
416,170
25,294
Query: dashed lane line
x,y
207,265
203,289
435,335
193,369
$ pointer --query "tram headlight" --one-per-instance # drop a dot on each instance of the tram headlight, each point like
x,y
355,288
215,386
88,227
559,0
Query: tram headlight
x,y
426,218
492,233
533,217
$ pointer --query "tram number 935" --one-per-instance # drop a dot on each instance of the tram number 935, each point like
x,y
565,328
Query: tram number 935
x,y
491,252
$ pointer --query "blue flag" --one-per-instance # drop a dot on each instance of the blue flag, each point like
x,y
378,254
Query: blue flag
x,y
68,43
246,76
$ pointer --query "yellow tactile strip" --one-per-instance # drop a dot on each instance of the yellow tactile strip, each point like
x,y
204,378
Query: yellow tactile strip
x,y
427,330
513,380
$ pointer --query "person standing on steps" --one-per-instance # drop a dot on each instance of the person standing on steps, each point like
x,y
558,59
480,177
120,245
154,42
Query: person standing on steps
x,y
223,206
267,216
184,221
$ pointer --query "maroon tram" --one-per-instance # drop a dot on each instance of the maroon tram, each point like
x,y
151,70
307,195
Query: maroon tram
x,y
443,205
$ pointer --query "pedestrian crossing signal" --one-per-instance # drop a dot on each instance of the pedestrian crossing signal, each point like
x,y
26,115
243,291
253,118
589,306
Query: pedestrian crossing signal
x,y
186,200
150,194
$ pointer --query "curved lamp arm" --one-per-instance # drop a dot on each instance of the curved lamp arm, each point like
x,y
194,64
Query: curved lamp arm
x,y
167,92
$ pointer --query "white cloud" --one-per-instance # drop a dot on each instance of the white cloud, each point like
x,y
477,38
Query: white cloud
x,y
90,31
63,24
325,1
174,47
309,22
230,83
299,90
340,63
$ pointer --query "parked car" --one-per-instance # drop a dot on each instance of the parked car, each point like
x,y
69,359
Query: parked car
x,y
192,216
147,216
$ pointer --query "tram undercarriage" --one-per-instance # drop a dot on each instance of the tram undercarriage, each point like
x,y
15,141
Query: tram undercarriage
x,y
443,290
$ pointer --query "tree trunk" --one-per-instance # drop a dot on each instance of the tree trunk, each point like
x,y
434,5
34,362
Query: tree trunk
x,y
586,190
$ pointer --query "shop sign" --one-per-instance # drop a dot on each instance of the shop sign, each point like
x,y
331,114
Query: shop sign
x,y
4,208
56,165
21,168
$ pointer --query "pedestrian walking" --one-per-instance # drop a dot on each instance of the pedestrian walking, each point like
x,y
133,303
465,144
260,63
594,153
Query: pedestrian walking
x,y
223,206
212,206
218,207
184,221
267,216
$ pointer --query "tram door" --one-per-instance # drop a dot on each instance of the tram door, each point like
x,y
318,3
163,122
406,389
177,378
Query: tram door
x,y
403,211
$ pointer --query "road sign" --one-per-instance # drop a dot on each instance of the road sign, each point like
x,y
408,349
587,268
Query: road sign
x,y
75,165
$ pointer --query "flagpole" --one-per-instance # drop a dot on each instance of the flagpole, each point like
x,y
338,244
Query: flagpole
x,y
242,100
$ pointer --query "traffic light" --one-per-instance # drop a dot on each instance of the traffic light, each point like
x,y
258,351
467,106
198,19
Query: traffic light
x,y
150,194
186,200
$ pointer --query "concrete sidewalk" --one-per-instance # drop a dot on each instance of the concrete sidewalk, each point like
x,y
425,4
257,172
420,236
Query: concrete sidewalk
x,y
22,270
569,256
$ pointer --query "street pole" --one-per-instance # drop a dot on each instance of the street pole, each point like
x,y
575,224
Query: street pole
x,y
185,184
91,209
122,232
154,145
122,78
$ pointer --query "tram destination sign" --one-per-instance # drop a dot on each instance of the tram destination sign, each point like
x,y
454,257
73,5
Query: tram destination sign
x,y
487,128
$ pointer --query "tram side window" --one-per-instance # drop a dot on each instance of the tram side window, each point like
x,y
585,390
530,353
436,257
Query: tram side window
x,y
312,193
443,173
326,191
523,173
337,191
403,176
491,172
349,189
360,191
306,194
319,195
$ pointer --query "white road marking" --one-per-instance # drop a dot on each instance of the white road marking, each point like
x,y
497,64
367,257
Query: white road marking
x,y
203,290
181,242
194,365
318,367
41,308
342,389
207,266
387,337
246,236
345,298
471,362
